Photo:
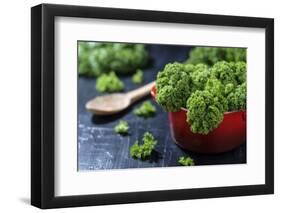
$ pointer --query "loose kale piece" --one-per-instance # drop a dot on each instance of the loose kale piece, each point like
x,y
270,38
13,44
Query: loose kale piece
x,y
186,161
98,58
122,127
173,86
142,151
211,55
109,83
137,78
146,110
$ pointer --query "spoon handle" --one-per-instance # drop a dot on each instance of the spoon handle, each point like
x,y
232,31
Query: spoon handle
x,y
140,92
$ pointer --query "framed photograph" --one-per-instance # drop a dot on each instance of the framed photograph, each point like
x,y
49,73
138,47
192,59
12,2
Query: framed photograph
x,y
140,106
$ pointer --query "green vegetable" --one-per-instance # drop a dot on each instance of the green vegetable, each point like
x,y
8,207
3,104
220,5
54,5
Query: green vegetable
x,y
83,55
211,55
146,110
215,86
109,83
228,88
205,111
173,86
237,99
142,151
186,161
122,127
240,72
137,78
199,76
97,58
225,72
207,92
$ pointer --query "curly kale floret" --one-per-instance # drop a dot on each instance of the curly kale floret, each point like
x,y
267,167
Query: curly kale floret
x,y
142,151
137,78
233,77
173,86
224,72
199,76
240,71
205,111
186,161
205,55
211,55
122,128
214,86
237,98
98,58
235,54
83,55
109,83
228,88
146,110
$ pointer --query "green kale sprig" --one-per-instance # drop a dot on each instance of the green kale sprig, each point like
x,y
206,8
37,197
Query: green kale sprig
x,y
143,151
122,127
146,110
199,76
137,78
109,83
205,111
98,58
186,161
237,99
173,86
212,55
225,72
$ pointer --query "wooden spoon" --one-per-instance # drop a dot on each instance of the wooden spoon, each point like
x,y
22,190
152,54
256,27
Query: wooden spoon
x,y
114,103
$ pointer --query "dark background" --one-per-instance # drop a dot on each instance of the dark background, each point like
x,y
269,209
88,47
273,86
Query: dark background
x,y
99,147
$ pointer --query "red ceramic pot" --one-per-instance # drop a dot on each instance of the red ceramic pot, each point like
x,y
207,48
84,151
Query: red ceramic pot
x,y
228,135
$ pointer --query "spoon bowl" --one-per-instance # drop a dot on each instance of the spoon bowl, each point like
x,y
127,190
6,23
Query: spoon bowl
x,y
117,102
108,104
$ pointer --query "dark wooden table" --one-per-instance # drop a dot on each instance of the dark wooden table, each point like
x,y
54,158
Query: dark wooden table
x,y
99,147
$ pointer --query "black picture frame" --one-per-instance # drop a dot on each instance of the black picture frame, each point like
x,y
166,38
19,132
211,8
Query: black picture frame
x,y
43,102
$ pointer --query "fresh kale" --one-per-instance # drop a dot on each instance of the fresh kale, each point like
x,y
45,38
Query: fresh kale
x,y
225,72
146,110
205,111
98,58
142,151
137,78
237,98
211,55
206,92
199,76
186,161
122,127
173,86
109,83
240,71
